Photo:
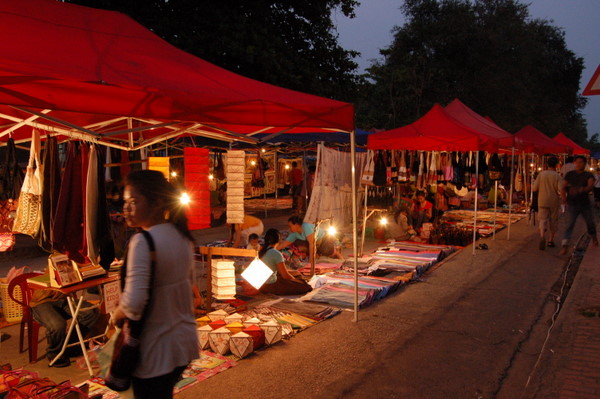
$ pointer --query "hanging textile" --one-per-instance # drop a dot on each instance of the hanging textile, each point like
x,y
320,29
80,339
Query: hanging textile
x,y
380,169
68,226
332,191
236,167
10,187
367,174
50,192
103,239
196,164
29,211
91,207
160,164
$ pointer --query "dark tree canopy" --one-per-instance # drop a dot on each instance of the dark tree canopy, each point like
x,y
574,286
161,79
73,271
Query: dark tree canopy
x,y
488,53
289,43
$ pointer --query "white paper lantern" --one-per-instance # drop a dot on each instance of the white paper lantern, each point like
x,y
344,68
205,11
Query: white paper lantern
x,y
257,273
272,331
234,318
241,344
219,340
203,336
217,315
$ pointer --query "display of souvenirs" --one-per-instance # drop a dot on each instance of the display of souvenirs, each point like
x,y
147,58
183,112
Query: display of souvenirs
x,y
272,331
219,340
241,344
202,321
203,336
217,315
257,334
217,324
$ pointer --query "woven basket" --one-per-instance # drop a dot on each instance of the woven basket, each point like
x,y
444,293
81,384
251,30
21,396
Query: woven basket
x,y
13,312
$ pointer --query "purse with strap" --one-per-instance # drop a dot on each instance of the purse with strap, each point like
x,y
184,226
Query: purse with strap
x,y
10,185
126,355
29,211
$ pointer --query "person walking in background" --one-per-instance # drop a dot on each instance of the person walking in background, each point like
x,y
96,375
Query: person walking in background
x,y
575,192
296,185
548,185
568,166
168,342
597,187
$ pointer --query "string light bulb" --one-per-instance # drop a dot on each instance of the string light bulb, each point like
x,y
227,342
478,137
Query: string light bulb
x,y
252,162
211,177
383,221
185,199
331,230
287,166
173,174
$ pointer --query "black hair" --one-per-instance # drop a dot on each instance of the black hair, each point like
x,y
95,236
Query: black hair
x,y
569,159
295,220
253,236
552,162
580,157
420,193
159,192
271,238
294,164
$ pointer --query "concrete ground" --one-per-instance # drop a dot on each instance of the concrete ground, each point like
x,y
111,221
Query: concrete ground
x,y
472,329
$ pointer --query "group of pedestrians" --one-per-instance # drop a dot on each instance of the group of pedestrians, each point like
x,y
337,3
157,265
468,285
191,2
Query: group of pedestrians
x,y
569,192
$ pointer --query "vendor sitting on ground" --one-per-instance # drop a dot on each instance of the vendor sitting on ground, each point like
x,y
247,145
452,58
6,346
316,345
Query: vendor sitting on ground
x,y
303,234
501,196
422,211
283,281
240,232
401,230
50,309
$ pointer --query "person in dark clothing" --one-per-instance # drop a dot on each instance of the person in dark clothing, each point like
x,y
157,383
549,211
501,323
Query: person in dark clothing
x,y
575,192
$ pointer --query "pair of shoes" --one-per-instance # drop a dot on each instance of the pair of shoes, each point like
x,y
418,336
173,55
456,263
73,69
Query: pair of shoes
x,y
564,250
542,245
482,246
61,362
550,244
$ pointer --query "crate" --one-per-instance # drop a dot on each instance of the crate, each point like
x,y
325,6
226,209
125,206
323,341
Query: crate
x,y
13,312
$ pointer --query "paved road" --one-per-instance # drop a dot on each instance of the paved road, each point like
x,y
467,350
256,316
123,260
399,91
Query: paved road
x,y
458,334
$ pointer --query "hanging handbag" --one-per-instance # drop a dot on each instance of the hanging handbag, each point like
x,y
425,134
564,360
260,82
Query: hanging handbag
x,y
367,175
29,212
126,355
379,170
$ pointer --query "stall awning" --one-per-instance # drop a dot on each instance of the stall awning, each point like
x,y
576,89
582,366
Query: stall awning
x,y
575,148
435,131
537,142
75,70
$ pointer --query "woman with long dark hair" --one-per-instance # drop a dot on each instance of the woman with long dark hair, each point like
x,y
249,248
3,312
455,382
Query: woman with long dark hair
x,y
168,339
282,282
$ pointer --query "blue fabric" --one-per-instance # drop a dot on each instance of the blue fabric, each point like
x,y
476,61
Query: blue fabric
x,y
307,229
272,258
573,211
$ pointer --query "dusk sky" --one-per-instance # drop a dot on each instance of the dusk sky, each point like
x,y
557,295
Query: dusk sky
x,y
371,30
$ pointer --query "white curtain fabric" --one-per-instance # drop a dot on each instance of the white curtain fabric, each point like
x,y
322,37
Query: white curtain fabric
x,y
236,166
332,191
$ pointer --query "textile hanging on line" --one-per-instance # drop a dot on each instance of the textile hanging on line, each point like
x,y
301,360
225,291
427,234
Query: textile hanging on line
x,y
196,164
236,166
50,191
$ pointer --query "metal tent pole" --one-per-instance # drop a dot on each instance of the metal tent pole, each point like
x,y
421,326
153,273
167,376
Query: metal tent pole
x,y
495,208
354,221
510,195
476,202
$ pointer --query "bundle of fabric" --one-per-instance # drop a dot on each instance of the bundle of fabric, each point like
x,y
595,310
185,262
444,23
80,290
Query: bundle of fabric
x,y
337,289
310,310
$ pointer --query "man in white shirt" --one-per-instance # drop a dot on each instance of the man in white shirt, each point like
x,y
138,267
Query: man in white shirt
x,y
547,185
568,166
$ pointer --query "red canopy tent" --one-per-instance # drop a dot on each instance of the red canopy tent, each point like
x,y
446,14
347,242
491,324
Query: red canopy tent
x,y
575,148
470,118
537,142
435,131
99,75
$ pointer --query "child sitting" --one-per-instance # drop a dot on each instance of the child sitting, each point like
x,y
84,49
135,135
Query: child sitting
x,y
253,242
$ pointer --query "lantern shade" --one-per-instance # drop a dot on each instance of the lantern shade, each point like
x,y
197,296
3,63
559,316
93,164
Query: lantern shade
x,y
254,321
203,336
202,321
217,324
219,340
223,279
233,318
257,334
272,331
235,327
241,344
218,315
257,273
